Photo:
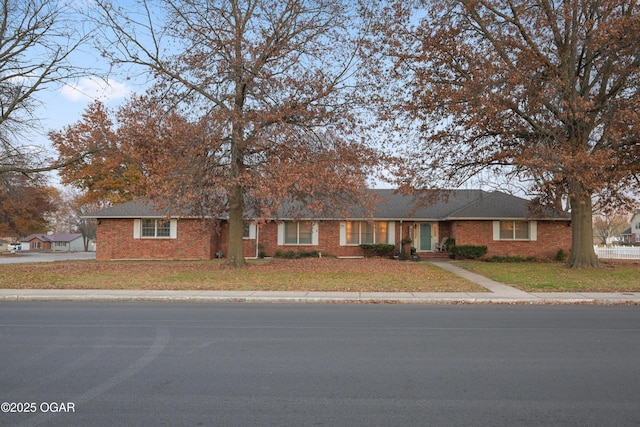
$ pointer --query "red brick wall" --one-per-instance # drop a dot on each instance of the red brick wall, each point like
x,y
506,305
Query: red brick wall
x,y
551,236
328,241
195,240
114,238
44,246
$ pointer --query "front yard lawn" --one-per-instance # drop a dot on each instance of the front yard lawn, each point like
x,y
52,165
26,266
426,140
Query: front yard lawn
x,y
555,277
326,274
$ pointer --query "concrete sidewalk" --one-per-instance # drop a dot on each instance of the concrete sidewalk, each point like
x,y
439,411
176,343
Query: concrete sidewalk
x,y
497,293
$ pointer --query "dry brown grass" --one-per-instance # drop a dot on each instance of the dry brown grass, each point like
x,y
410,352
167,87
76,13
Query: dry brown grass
x,y
556,277
326,274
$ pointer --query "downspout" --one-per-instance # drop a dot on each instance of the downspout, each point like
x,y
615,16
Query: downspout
x,y
257,240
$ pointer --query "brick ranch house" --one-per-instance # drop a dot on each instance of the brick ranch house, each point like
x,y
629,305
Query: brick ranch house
x,y
502,222
69,242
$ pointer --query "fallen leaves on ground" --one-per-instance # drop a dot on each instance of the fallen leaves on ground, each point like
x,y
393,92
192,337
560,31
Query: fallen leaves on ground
x,y
313,274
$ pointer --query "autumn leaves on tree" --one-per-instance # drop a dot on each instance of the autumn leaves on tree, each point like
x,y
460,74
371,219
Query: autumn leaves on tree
x,y
251,107
547,91
256,102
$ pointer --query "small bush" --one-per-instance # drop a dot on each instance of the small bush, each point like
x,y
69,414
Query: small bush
x,y
467,251
378,249
296,255
448,244
560,256
507,258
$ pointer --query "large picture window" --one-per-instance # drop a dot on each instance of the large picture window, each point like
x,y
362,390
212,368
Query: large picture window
x,y
359,232
297,233
514,230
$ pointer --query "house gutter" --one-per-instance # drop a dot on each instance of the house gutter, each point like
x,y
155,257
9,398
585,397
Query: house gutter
x,y
257,240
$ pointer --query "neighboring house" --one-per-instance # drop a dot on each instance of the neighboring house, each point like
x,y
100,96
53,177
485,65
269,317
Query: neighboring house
x,y
53,242
504,223
632,234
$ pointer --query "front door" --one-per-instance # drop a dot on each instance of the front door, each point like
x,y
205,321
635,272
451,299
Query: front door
x,y
425,236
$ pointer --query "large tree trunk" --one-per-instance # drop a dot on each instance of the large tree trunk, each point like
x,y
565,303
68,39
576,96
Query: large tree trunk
x,y
235,255
582,252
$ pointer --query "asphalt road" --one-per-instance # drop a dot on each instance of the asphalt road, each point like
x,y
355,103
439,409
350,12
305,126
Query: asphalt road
x,y
29,256
174,364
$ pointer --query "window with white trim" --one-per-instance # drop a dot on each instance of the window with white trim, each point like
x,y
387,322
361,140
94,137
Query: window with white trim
x,y
155,228
250,230
514,230
359,232
297,233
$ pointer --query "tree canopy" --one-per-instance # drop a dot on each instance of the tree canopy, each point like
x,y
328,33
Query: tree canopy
x,y
112,174
546,90
264,88
26,203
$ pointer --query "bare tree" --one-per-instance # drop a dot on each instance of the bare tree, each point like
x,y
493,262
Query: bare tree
x,y
607,225
37,38
266,82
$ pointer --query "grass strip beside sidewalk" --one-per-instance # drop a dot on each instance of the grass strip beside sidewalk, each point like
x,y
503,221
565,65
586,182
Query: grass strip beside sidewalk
x,y
326,274
556,277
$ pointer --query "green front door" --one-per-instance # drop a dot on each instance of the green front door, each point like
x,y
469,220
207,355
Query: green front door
x,y
425,237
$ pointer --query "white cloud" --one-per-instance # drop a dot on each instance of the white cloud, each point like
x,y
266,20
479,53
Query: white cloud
x,y
89,89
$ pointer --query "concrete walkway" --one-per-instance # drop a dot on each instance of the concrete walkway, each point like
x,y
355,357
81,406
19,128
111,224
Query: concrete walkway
x,y
497,293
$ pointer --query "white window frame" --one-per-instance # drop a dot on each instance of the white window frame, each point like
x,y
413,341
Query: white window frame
x,y
533,231
137,229
249,231
282,230
391,232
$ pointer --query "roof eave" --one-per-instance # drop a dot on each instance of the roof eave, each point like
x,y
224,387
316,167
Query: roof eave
x,y
514,218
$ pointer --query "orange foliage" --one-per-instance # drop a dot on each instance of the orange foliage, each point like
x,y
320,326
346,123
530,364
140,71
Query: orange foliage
x,y
547,91
113,173
25,204
262,102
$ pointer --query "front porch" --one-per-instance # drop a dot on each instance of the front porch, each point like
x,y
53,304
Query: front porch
x,y
428,237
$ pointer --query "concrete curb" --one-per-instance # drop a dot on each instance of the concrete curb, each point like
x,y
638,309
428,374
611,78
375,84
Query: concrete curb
x,y
317,297
499,293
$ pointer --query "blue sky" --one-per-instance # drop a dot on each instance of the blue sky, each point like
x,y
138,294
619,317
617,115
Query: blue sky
x,y
64,106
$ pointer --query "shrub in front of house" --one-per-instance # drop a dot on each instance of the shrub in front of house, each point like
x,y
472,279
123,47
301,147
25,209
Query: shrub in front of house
x,y
467,251
560,256
296,254
377,249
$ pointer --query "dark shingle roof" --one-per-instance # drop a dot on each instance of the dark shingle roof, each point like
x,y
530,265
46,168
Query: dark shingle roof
x,y
132,209
432,205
